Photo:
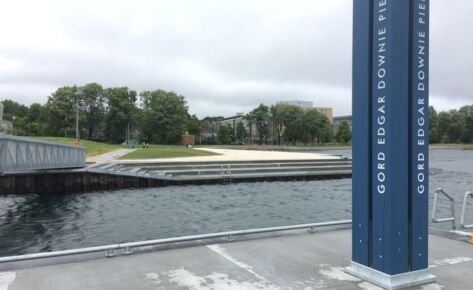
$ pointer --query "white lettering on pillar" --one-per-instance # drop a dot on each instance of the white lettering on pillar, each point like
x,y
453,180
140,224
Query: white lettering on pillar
x,y
381,80
421,95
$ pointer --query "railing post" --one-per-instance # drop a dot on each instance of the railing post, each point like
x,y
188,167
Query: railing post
x,y
452,208
464,205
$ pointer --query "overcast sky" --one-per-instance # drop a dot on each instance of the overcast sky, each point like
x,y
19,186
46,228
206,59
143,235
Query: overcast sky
x,y
224,56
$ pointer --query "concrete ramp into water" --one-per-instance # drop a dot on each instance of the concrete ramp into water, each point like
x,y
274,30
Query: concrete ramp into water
x,y
231,170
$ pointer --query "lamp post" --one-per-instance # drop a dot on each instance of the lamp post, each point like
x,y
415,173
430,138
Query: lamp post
x,y
1,111
13,125
77,94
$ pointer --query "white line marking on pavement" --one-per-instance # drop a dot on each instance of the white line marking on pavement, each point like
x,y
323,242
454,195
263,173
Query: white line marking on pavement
x,y
6,279
451,261
221,251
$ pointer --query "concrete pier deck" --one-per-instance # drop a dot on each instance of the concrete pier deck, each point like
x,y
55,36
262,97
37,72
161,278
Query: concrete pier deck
x,y
289,260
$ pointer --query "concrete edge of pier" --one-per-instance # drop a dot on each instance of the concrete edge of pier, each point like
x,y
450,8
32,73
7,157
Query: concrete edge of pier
x,y
293,259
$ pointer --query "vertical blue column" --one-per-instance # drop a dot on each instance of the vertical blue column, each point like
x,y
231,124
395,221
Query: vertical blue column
x,y
390,140
362,30
419,134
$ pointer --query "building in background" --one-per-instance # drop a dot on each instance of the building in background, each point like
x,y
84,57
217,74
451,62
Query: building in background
x,y
306,105
187,139
5,126
252,133
300,104
233,121
337,121
327,111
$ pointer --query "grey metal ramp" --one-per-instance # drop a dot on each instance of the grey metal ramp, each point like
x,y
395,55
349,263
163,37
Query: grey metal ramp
x,y
18,154
294,260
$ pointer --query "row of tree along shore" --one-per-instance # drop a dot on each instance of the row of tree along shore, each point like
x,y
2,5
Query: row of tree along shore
x,y
161,117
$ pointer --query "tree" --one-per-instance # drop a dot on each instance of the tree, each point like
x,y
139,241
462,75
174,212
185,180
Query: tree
x,y
193,126
443,125
457,126
250,120
60,110
310,129
224,134
36,120
434,133
12,108
277,117
92,100
451,126
240,132
325,129
260,117
209,128
292,121
467,132
164,116
27,121
344,133
121,108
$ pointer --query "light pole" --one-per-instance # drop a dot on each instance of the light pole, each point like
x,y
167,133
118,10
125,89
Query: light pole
x,y
128,134
77,94
13,125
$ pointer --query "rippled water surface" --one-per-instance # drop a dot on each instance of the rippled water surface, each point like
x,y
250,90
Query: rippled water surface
x,y
31,224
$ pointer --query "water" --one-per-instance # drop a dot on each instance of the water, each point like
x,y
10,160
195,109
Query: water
x,y
30,224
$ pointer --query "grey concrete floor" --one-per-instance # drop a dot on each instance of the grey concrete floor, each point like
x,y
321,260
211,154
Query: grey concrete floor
x,y
292,260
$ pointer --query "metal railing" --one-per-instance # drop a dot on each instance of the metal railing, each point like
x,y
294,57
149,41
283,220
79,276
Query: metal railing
x,y
127,248
462,219
452,208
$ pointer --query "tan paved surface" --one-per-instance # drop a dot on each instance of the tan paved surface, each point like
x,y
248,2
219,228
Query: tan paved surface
x,y
244,155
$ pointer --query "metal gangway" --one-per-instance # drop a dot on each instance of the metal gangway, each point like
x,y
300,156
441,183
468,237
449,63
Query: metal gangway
x,y
18,154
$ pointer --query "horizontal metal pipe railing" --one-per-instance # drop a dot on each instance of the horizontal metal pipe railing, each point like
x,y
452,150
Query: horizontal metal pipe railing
x,y
124,246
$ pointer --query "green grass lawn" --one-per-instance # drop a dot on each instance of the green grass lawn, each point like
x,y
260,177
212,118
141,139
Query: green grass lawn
x,y
92,148
165,151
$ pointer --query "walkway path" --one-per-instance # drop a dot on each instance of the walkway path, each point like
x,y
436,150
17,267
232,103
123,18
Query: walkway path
x,y
110,156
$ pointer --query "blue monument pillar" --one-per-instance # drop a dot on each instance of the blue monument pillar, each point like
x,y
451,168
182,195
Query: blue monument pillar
x,y
390,142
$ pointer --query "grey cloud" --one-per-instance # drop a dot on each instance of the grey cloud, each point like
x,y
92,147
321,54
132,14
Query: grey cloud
x,y
224,56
